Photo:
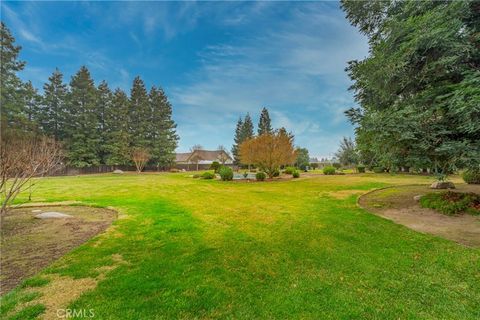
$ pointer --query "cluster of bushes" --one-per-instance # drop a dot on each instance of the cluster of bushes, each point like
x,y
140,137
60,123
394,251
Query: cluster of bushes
x,y
378,169
451,203
329,170
472,176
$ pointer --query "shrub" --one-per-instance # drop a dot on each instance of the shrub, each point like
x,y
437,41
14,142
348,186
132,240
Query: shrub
x,y
296,174
336,165
196,176
245,174
314,165
226,173
289,170
378,169
260,176
451,203
471,176
329,170
276,173
361,169
215,166
208,175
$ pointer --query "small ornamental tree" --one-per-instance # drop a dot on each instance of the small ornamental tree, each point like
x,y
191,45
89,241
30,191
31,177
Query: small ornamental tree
x,y
140,157
268,151
23,157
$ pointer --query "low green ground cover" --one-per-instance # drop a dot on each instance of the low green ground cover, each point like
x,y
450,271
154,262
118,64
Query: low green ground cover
x,y
451,203
301,248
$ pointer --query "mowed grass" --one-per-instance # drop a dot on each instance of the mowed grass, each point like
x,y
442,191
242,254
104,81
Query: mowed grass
x,y
288,249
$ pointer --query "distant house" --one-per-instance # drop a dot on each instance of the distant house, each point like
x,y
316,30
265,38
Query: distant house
x,y
203,157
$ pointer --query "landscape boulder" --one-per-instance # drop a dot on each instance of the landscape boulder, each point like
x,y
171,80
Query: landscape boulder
x,y
117,171
52,215
442,185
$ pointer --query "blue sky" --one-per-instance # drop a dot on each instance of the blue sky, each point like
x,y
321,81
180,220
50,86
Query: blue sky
x,y
216,60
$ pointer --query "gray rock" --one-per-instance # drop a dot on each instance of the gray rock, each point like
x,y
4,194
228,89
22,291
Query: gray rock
x,y
36,210
118,171
52,215
442,185
418,197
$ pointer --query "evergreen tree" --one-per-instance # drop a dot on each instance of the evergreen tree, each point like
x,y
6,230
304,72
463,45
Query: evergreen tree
x,y
163,137
104,101
82,122
53,111
264,125
247,130
237,141
140,115
418,89
11,93
116,126
31,102
243,131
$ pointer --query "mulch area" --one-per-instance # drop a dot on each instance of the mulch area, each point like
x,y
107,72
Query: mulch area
x,y
29,244
398,204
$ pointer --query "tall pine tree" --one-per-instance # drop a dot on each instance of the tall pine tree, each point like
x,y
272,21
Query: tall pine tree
x,y
31,102
82,129
139,113
11,93
237,141
247,130
264,125
104,101
243,131
53,111
163,136
116,125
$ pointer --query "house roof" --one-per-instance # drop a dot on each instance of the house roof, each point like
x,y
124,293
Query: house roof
x,y
209,155
182,157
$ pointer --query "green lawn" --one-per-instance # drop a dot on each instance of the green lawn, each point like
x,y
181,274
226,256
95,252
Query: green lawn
x,y
187,248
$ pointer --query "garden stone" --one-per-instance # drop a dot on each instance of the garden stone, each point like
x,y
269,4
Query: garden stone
x,y
117,171
36,210
442,185
52,215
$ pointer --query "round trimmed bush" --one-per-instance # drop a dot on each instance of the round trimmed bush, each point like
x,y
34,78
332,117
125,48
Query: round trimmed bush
x,y
289,170
276,173
471,176
260,176
329,170
208,175
296,174
226,173
361,169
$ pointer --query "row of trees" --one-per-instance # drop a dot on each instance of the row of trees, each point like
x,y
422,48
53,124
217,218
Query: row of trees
x,y
419,88
95,124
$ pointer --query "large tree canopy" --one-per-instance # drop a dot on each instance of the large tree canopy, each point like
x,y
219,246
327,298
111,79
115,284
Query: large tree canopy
x,y
419,89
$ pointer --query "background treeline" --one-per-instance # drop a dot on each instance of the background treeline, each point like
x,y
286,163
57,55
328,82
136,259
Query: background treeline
x,y
95,124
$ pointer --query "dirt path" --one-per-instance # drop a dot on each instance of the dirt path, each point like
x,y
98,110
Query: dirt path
x,y
398,205
30,244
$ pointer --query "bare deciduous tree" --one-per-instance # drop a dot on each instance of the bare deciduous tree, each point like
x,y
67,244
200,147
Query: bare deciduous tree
x,y
23,157
140,157
223,156
268,151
